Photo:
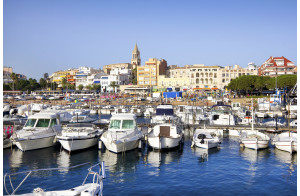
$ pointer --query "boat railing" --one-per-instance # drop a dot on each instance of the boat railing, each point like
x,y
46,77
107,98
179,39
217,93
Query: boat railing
x,y
97,178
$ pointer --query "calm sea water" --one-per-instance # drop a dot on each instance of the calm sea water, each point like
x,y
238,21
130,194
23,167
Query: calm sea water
x,y
227,170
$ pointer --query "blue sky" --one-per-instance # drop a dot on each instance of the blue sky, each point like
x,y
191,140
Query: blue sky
x,y
50,35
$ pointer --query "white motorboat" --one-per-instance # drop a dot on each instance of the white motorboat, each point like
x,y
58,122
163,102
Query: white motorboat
x,y
149,111
120,110
165,136
85,189
205,138
293,123
222,115
247,120
6,109
82,119
235,106
18,119
122,134
138,111
164,114
39,132
272,123
191,114
286,141
64,116
273,114
254,139
259,114
80,112
292,105
79,136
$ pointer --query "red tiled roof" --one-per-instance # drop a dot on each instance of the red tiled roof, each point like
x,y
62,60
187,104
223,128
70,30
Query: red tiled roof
x,y
272,60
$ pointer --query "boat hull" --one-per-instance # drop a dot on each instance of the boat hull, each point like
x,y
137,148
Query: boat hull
x,y
163,142
77,143
118,146
289,146
207,144
33,144
256,144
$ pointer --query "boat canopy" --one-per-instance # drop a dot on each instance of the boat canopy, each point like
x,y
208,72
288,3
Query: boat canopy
x,y
164,111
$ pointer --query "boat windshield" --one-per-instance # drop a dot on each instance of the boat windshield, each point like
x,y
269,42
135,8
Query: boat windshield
x,y
43,123
115,124
164,111
128,124
53,122
30,123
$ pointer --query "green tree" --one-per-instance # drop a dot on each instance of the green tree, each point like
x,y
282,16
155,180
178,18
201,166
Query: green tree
x,y
134,76
71,86
89,87
96,87
6,87
22,85
286,81
43,83
15,80
80,87
64,83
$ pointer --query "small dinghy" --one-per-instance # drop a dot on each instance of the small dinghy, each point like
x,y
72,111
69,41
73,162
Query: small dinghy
x,y
205,139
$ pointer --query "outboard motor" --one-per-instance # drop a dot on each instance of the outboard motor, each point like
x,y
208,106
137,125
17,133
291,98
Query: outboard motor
x,y
201,137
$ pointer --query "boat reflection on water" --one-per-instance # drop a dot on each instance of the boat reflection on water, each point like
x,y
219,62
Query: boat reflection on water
x,y
157,158
41,158
203,153
66,159
287,158
254,155
118,165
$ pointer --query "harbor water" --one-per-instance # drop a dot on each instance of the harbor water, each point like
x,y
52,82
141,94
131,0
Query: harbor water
x,y
227,170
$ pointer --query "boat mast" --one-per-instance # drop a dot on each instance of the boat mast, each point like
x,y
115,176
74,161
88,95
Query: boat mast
x,y
289,115
252,114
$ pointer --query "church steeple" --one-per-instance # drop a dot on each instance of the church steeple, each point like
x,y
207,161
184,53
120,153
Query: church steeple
x,y
136,59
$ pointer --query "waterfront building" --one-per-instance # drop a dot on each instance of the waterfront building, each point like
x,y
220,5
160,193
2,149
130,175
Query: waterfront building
x,y
71,76
85,76
147,75
201,77
107,68
229,73
7,71
197,77
276,66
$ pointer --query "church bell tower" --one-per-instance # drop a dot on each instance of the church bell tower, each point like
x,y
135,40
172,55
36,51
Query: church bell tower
x,y
136,59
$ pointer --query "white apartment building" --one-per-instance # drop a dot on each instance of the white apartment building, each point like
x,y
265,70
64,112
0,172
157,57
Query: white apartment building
x,y
117,75
231,72
85,76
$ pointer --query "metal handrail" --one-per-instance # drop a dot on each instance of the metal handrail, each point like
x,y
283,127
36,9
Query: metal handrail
x,y
51,169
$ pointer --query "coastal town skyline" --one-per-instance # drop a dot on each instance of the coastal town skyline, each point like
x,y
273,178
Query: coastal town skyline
x,y
50,36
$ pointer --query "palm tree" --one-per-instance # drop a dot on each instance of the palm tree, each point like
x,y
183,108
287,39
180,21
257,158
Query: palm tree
x,y
14,78
114,85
